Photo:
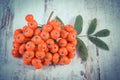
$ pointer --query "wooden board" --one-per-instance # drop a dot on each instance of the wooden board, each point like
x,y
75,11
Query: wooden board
x,y
101,65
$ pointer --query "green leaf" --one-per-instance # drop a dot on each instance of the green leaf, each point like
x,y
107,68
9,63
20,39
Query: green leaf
x,y
57,18
101,44
78,24
92,26
81,47
102,33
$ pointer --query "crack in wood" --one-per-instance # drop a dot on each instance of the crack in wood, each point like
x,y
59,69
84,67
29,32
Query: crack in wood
x,y
34,77
3,22
6,23
45,6
98,66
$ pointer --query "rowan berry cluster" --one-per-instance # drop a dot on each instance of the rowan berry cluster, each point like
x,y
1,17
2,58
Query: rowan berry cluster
x,y
51,44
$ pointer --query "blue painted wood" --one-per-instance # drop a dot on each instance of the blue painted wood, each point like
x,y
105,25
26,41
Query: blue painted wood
x,y
104,66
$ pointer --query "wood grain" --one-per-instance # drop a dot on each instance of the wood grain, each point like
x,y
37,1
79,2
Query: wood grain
x,y
101,65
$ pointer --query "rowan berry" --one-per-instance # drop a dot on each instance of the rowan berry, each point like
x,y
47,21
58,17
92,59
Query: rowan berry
x,y
33,24
37,63
70,47
15,53
44,35
28,55
46,63
54,34
20,38
64,60
47,28
71,37
63,51
28,32
29,17
36,39
17,31
69,28
55,58
40,54
30,45
63,34
42,46
37,31
71,55
50,43
22,49
48,56
54,48
62,42
74,42
16,45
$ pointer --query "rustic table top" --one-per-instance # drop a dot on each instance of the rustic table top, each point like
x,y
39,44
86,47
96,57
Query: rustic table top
x,y
101,64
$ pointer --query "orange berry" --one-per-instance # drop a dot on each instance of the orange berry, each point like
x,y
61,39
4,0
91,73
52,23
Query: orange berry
x,y
15,53
71,55
63,51
27,39
63,34
46,63
74,32
48,56
24,28
70,47
55,58
30,45
74,42
62,42
37,31
42,60
36,39
47,49
42,46
37,63
50,43
20,38
28,32
64,60
56,25
27,61
40,54
22,49
44,35
28,55
69,28
17,31
54,48
52,22
29,17
33,24
16,45
71,37
54,34
36,48
47,28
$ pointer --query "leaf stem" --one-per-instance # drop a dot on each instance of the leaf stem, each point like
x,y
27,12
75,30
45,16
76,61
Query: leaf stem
x,y
50,16
82,35
86,36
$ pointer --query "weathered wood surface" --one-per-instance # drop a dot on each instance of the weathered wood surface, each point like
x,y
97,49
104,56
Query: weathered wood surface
x,y
101,65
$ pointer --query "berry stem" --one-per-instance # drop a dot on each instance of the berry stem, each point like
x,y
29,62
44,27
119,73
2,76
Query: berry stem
x,y
50,16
